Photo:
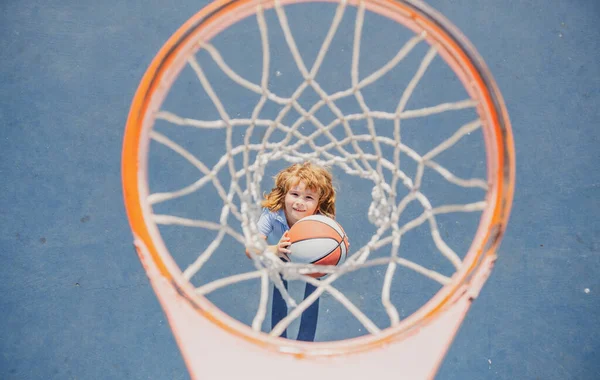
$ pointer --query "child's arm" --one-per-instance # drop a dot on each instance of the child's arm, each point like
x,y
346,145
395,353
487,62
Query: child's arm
x,y
280,249
265,227
256,252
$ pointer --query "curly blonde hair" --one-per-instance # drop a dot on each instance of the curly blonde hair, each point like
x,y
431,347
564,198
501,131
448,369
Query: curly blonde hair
x,y
315,177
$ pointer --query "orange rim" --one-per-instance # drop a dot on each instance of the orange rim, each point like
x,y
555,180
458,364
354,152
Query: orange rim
x,y
452,47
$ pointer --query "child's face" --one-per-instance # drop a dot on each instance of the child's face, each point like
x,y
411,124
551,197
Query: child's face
x,y
300,202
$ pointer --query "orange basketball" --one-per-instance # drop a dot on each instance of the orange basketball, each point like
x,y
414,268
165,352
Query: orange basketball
x,y
319,240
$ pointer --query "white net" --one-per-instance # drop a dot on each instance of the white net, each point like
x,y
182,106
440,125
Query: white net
x,y
366,142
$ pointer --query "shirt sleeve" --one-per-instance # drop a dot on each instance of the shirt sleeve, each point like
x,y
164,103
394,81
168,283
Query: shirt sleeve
x,y
265,223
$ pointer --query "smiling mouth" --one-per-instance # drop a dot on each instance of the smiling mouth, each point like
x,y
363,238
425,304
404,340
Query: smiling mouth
x,y
295,209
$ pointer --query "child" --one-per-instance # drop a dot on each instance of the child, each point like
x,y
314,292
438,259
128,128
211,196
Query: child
x,y
300,190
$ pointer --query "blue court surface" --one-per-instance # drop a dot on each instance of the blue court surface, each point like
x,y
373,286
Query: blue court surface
x,y
75,301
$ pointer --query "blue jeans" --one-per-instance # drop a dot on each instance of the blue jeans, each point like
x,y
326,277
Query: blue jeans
x,y
308,321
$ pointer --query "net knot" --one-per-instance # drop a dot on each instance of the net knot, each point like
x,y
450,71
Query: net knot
x,y
380,209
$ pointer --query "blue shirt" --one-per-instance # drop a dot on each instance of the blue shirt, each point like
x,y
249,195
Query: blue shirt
x,y
273,224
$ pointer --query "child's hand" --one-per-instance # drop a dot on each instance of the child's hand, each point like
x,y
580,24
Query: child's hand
x,y
283,246
284,243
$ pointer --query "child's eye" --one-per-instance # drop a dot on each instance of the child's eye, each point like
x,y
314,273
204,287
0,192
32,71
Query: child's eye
x,y
311,198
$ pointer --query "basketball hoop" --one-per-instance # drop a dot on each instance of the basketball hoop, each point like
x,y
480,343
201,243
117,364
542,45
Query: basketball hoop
x,y
210,340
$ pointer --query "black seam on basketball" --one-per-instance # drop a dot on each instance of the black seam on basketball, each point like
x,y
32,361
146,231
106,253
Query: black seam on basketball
x,y
330,252
319,221
314,237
